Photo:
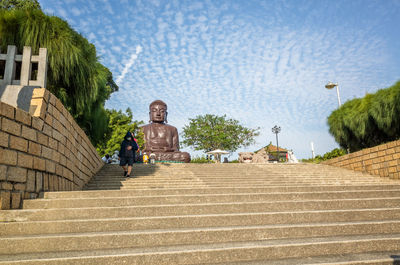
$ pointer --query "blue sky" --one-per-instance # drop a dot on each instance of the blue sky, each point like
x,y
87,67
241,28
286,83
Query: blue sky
x,y
264,63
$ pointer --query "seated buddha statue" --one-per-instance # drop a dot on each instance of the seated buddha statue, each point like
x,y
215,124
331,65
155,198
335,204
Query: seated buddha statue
x,y
162,139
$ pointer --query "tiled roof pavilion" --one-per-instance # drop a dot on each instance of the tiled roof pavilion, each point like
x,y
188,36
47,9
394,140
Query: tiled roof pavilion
x,y
272,148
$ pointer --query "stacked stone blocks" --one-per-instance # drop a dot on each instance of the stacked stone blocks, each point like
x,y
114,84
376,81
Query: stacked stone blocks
x,y
382,160
43,150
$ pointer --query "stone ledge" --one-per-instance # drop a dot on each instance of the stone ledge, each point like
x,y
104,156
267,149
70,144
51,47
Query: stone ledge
x,y
382,160
39,150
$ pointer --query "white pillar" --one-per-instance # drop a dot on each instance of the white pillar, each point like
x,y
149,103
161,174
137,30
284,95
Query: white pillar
x,y
26,66
312,150
42,67
10,65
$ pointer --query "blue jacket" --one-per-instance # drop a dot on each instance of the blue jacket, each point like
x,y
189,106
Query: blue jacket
x,y
124,152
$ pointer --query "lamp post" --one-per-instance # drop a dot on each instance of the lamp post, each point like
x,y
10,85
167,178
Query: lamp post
x,y
277,129
331,85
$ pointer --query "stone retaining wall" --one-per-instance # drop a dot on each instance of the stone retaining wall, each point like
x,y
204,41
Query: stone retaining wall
x,y
382,160
43,150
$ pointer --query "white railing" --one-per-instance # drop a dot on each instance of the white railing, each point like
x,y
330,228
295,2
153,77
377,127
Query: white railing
x,y
27,60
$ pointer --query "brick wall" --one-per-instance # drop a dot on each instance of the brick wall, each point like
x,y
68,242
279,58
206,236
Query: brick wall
x,y
43,150
382,160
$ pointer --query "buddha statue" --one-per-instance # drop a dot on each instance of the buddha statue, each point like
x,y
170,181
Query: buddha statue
x,y
162,139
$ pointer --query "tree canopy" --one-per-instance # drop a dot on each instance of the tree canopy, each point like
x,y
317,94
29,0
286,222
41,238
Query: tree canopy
x,y
119,124
74,75
210,132
368,121
19,4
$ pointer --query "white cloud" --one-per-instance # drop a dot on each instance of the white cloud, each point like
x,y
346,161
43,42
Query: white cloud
x,y
179,18
49,11
261,63
75,11
129,64
62,12
91,36
116,48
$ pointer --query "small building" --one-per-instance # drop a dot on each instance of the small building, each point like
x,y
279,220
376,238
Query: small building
x,y
272,152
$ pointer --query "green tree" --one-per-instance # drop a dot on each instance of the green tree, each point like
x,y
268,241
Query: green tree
x,y
74,74
334,153
210,132
119,124
368,121
19,4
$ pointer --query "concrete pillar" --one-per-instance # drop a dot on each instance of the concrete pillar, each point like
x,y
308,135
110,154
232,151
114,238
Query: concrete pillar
x,y
42,67
10,64
26,66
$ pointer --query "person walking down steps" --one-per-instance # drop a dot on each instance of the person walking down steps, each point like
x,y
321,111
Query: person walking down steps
x,y
127,153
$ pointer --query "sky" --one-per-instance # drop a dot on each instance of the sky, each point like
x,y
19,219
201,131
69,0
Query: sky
x,y
263,62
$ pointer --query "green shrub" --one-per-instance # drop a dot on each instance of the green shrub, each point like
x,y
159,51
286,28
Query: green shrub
x,y
329,155
75,74
369,121
334,153
200,160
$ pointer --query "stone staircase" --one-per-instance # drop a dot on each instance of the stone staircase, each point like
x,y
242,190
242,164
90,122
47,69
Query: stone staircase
x,y
211,214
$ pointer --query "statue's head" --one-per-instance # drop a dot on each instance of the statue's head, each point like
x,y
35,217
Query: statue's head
x,y
158,111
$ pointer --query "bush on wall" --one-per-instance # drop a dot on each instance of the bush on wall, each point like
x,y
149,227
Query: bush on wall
x,y
369,121
74,74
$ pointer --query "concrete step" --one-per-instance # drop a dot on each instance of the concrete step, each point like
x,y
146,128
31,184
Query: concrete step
x,y
211,185
194,221
194,209
273,170
370,258
194,183
265,178
277,171
232,177
218,169
210,214
240,174
253,179
236,172
222,252
226,190
193,236
204,198
227,177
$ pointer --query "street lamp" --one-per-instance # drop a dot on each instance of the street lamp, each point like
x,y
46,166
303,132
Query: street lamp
x,y
277,130
331,85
